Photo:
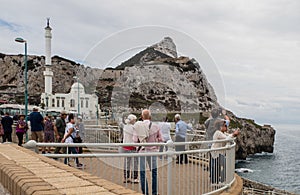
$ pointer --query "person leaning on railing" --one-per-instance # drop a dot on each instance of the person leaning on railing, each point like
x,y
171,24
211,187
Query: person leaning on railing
x,y
218,158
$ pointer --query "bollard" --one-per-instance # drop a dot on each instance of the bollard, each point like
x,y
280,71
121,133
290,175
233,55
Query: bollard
x,y
31,145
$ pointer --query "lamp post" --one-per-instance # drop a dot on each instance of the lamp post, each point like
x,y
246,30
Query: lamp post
x,y
78,103
21,40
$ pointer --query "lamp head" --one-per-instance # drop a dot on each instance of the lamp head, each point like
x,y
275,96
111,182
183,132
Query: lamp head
x,y
20,40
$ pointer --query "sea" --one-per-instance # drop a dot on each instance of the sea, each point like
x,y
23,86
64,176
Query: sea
x,y
280,169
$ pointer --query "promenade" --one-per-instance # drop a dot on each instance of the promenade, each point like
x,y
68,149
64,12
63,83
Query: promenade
x,y
25,172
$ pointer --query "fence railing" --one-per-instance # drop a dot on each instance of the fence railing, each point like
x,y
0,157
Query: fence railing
x,y
205,171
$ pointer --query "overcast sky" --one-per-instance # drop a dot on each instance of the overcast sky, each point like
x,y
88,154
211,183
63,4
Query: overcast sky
x,y
253,46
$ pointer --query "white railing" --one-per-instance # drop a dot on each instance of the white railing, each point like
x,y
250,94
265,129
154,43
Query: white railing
x,y
200,175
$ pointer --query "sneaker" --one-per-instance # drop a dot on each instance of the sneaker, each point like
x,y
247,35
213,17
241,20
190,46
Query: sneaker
x,y
136,181
79,165
127,180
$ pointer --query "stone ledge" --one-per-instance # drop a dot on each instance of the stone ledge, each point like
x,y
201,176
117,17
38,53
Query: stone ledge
x,y
25,172
236,188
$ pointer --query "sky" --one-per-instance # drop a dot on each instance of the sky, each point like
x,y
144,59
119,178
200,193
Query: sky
x,y
249,50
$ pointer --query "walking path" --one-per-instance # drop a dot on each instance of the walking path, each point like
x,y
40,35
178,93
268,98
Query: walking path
x,y
25,172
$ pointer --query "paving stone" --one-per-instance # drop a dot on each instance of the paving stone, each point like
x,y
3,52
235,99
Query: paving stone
x,y
123,191
83,190
33,189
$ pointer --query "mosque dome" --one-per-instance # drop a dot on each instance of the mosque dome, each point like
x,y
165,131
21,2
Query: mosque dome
x,y
76,86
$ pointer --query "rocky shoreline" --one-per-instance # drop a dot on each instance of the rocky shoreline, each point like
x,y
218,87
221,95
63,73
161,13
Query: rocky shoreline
x,y
253,188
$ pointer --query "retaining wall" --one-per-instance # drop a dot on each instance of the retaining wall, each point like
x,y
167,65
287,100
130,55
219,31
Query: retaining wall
x,y
23,172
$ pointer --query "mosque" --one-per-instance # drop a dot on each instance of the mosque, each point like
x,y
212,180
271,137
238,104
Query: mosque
x,y
77,101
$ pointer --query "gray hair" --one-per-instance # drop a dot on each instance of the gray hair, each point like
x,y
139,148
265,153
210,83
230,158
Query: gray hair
x,y
177,116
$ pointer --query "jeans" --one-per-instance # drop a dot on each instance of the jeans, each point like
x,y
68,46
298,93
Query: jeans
x,y
152,163
127,165
73,151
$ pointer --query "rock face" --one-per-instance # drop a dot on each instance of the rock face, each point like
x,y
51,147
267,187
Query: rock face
x,y
155,77
253,138
156,74
12,77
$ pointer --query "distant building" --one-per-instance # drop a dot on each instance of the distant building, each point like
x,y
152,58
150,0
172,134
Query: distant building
x,y
77,101
87,104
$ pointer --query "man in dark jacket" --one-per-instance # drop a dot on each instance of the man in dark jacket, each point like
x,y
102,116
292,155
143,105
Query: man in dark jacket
x,y
7,122
36,124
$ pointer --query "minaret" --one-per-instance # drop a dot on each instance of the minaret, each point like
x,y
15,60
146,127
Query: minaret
x,y
48,72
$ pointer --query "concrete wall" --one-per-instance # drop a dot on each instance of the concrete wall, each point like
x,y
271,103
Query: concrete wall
x,y
23,172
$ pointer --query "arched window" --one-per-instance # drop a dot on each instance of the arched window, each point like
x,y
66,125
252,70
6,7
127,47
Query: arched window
x,y
53,102
87,103
72,103
62,102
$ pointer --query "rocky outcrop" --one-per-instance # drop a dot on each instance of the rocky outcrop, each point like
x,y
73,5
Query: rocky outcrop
x,y
157,75
12,77
253,187
253,138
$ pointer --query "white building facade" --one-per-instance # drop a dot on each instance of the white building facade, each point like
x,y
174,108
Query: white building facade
x,y
77,101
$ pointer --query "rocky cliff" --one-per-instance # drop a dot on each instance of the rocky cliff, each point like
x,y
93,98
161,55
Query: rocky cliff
x,y
253,138
12,77
155,77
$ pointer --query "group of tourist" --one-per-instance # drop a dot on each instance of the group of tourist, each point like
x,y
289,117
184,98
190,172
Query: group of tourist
x,y
146,131
44,129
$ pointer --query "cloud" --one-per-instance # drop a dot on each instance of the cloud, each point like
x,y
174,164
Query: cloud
x,y
10,25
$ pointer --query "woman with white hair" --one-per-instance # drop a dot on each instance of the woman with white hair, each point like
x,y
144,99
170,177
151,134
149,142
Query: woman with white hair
x,y
128,138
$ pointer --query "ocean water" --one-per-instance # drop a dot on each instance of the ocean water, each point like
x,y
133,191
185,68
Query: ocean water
x,y
282,168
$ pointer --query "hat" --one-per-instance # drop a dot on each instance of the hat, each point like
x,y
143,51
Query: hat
x,y
63,112
21,115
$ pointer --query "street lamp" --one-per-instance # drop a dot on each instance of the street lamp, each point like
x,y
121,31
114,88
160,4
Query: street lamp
x,y
78,103
21,40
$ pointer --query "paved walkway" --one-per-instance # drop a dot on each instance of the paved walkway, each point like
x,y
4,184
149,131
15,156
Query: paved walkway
x,y
25,172
192,178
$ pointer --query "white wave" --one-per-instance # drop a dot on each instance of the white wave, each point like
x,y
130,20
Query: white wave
x,y
243,170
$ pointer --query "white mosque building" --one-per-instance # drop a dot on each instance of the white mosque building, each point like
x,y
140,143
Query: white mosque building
x,y
77,101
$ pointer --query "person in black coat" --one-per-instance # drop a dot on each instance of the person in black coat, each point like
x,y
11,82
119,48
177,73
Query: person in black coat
x,y
7,123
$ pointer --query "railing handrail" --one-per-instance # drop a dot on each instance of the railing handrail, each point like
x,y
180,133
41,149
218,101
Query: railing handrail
x,y
42,144
195,153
